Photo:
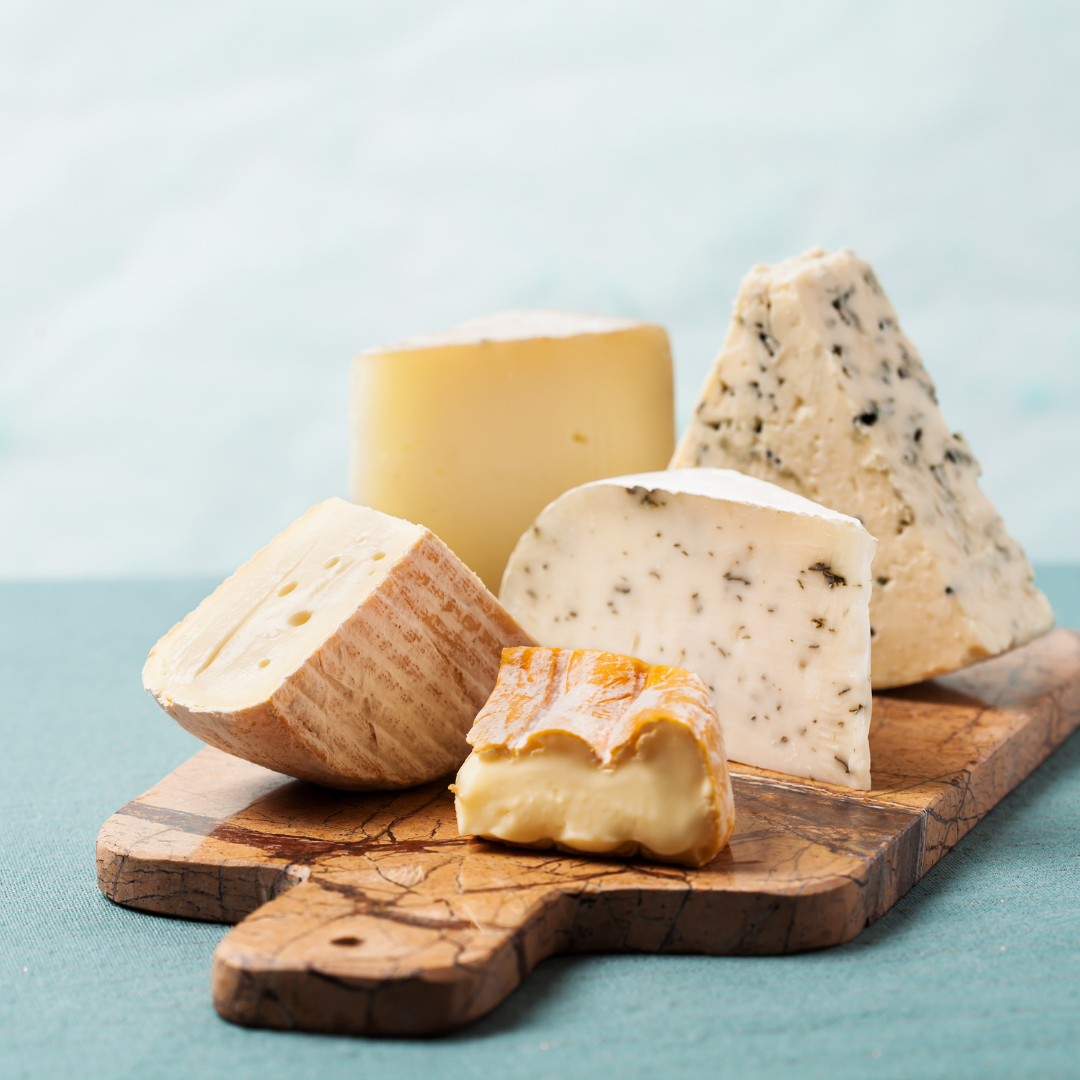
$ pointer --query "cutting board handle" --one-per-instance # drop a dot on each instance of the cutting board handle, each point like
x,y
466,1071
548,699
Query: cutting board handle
x,y
329,956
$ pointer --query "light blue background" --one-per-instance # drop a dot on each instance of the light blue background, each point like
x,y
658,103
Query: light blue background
x,y
206,208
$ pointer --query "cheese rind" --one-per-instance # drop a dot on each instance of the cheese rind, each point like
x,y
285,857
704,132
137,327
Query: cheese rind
x,y
593,752
817,389
763,593
472,431
354,651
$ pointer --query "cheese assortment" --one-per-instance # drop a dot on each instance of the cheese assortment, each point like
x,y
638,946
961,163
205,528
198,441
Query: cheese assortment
x,y
728,596
818,390
354,650
473,431
761,592
593,752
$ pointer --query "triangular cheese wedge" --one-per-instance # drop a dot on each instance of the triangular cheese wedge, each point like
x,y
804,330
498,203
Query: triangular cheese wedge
x,y
817,389
594,752
354,650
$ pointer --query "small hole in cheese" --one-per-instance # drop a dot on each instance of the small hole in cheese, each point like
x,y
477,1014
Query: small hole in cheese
x,y
263,663
379,555
286,588
331,562
299,618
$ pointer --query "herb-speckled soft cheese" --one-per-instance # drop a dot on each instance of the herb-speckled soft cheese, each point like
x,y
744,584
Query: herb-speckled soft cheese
x,y
817,389
761,592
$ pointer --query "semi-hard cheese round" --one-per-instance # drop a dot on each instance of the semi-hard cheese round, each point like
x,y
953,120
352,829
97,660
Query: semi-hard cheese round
x,y
354,650
474,430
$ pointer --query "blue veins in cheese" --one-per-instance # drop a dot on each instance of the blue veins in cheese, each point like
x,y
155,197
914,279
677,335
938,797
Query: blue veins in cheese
x,y
763,593
817,389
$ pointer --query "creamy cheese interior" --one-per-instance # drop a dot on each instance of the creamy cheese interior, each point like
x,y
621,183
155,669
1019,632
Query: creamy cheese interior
x,y
271,615
657,794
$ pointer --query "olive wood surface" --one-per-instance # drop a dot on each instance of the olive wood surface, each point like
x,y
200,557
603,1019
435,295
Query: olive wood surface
x,y
367,913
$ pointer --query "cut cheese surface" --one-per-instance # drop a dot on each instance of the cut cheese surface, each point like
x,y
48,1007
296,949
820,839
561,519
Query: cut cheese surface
x,y
353,650
763,593
818,389
597,753
472,431
265,622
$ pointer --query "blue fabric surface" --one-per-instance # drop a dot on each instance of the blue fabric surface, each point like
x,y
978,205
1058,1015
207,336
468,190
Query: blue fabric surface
x,y
975,973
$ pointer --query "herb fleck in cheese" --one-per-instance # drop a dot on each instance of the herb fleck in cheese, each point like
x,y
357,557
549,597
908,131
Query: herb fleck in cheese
x,y
763,593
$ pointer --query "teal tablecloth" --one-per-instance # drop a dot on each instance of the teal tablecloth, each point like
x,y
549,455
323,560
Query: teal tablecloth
x,y
975,973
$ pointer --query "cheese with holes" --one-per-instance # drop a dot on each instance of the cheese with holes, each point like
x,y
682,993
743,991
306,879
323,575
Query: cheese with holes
x,y
593,752
353,650
763,593
818,389
473,431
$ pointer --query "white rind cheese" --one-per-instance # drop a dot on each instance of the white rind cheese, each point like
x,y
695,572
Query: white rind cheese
x,y
474,430
761,592
817,389
354,651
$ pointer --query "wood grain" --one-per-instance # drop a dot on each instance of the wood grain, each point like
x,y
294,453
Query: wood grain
x,y
367,913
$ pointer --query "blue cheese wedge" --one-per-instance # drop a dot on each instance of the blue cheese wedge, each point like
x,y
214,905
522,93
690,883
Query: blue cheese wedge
x,y
818,389
763,593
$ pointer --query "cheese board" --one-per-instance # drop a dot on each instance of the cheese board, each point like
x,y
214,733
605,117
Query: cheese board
x,y
367,913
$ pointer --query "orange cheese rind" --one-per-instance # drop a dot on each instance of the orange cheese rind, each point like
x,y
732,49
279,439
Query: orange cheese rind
x,y
613,705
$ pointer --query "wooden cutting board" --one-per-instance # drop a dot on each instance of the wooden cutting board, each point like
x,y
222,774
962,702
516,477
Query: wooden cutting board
x,y
368,913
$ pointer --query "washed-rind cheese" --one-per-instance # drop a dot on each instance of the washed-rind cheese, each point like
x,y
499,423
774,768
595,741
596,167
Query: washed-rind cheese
x,y
474,430
354,650
594,752
817,389
761,592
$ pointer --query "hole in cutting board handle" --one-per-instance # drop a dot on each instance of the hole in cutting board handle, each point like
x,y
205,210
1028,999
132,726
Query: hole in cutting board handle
x,y
347,941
